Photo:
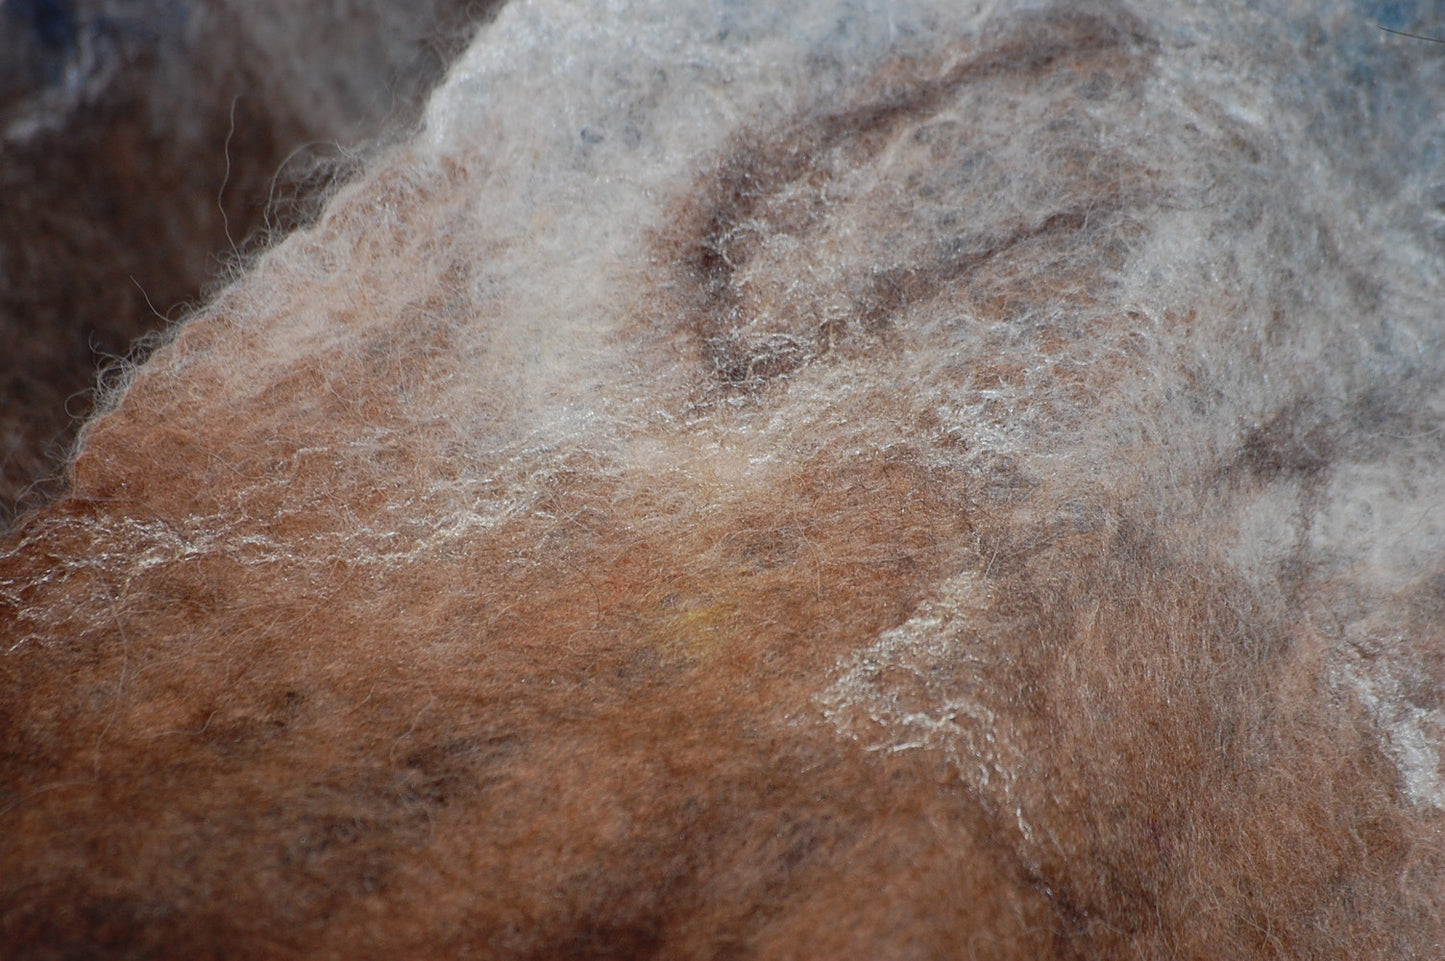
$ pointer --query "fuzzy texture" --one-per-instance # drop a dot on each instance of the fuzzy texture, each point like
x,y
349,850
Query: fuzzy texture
x,y
780,480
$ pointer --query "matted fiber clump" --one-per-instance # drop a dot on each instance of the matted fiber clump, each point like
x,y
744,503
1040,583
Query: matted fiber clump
x,y
781,480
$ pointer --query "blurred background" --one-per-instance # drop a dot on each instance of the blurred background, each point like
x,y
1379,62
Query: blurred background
x,y
147,146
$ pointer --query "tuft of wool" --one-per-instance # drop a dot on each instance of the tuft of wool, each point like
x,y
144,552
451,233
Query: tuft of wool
x,y
828,479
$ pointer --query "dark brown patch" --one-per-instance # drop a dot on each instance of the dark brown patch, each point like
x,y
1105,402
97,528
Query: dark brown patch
x,y
775,185
1287,447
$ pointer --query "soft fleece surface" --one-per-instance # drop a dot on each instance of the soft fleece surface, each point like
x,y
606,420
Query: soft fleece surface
x,y
789,480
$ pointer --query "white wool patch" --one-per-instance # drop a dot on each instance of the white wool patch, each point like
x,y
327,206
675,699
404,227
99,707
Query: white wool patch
x,y
906,692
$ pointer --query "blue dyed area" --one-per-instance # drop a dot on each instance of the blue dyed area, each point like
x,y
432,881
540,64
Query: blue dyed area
x,y
51,22
41,40
37,39
1424,16
1396,15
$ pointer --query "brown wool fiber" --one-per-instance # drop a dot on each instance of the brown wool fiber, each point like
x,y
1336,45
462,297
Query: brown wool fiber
x,y
791,480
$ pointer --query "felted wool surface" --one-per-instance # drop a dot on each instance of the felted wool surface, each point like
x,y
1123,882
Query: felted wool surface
x,y
783,480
